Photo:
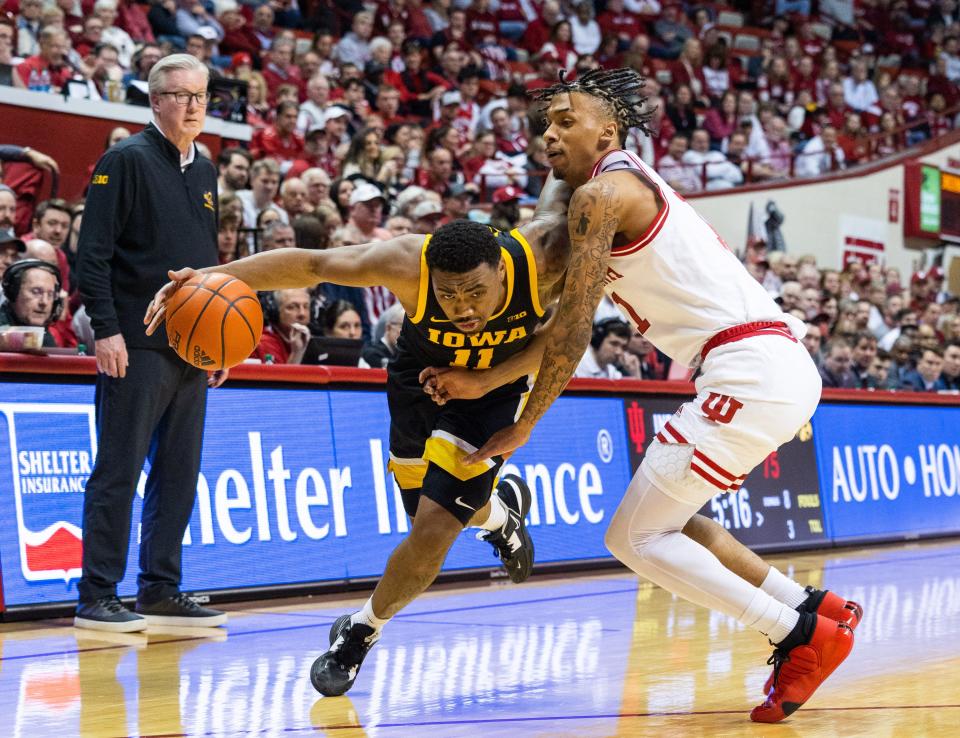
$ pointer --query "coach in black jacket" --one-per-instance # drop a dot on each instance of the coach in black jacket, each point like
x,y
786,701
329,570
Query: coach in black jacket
x,y
152,206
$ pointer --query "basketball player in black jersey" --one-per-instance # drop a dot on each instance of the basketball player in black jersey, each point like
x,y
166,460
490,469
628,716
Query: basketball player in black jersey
x,y
473,297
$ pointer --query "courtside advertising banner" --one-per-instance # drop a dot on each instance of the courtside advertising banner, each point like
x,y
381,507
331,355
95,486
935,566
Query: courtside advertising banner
x,y
888,471
293,488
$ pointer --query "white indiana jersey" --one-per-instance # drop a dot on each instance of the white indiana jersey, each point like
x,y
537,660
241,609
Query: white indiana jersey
x,y
679,283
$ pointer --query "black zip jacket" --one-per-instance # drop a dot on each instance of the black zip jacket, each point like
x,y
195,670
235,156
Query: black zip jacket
x,y
143,216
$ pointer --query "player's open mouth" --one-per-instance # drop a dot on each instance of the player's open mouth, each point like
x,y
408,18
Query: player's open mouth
x,y
468,325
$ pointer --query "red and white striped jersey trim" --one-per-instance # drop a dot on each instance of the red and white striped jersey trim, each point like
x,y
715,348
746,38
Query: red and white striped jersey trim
x,y
654,228
703,465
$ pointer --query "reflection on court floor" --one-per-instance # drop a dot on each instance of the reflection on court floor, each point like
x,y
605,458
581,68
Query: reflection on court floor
x,y
587,656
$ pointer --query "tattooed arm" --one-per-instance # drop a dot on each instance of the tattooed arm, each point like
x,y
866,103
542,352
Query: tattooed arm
x,y
593,220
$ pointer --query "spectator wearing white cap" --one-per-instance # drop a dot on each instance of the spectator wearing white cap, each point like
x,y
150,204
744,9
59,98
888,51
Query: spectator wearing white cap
x,y
426,216
366,214
336,119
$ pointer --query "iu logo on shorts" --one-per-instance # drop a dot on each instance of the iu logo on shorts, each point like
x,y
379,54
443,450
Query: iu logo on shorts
x,y
720,408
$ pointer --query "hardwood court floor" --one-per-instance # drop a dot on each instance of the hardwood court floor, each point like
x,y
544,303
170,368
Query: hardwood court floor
x,y
583,656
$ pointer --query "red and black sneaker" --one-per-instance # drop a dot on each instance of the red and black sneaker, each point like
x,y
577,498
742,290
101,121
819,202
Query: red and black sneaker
x,y
830,605
799,669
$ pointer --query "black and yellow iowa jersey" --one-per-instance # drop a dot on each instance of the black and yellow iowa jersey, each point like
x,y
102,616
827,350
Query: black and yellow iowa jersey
x,y
432,340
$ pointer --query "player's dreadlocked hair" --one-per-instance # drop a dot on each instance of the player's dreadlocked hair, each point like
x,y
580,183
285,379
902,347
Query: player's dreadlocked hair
x,y
462,245
620,90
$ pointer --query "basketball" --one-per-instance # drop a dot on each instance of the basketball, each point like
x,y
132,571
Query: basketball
x,y
214,321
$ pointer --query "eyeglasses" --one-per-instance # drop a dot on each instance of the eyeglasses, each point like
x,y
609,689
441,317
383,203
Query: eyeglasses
x,y
39,292
183,98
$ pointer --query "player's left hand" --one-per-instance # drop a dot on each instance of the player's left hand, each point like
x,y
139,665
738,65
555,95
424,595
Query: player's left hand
x,y
215,379
445,383
502,443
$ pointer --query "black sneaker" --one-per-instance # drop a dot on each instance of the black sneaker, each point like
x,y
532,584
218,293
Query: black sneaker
x,y
512,543
107,613
181,610
334,673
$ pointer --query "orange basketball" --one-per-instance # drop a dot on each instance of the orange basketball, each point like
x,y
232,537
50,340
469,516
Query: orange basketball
x,y
214,321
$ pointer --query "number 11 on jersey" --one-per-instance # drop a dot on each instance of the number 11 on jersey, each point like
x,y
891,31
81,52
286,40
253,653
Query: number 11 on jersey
x,y
462,358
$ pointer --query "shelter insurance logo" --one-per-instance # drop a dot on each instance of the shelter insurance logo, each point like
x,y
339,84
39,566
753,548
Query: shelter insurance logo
x,y
49,473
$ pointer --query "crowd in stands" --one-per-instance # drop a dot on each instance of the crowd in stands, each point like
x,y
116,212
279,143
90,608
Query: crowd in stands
x,y
378,119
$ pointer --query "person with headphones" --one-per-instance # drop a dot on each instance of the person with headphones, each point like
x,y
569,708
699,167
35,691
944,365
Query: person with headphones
x,y
285,335
607,344
32,291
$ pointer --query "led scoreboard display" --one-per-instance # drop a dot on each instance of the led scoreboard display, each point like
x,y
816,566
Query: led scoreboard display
x,y
778,505
932,203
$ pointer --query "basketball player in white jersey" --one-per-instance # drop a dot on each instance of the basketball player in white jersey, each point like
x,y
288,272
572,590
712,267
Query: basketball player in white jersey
x,y
636,239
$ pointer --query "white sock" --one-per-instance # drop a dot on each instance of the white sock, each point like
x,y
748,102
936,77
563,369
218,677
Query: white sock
x,y
498,514
770,616
783,588
367,617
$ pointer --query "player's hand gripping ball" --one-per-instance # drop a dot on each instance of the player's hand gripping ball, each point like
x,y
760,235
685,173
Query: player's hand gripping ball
x,y
214,321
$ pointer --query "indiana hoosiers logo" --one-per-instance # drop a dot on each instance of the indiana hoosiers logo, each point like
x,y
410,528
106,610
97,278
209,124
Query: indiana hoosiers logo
x,y
720,408
48,473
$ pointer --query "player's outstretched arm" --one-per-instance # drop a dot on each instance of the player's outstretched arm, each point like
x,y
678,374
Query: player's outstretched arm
x,y
593,221
395,264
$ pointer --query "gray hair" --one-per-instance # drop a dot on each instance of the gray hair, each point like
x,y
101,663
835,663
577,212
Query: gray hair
x,y
380,42
270,230
173,63
392,313
315,173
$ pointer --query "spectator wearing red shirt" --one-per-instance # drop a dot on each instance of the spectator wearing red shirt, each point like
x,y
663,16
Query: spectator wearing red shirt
x,y
482,24
938,123
455,32
238,37
279,141
418,25
889,102
776,85
509,142
418,87
836,108
538,32
548,66
132,18
391,11
513,16
854,139
279,68
91,37
388,106
561,44
805,78
810,43
688,69
615,21
720,122
286,334
438,173
50,60
316,153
